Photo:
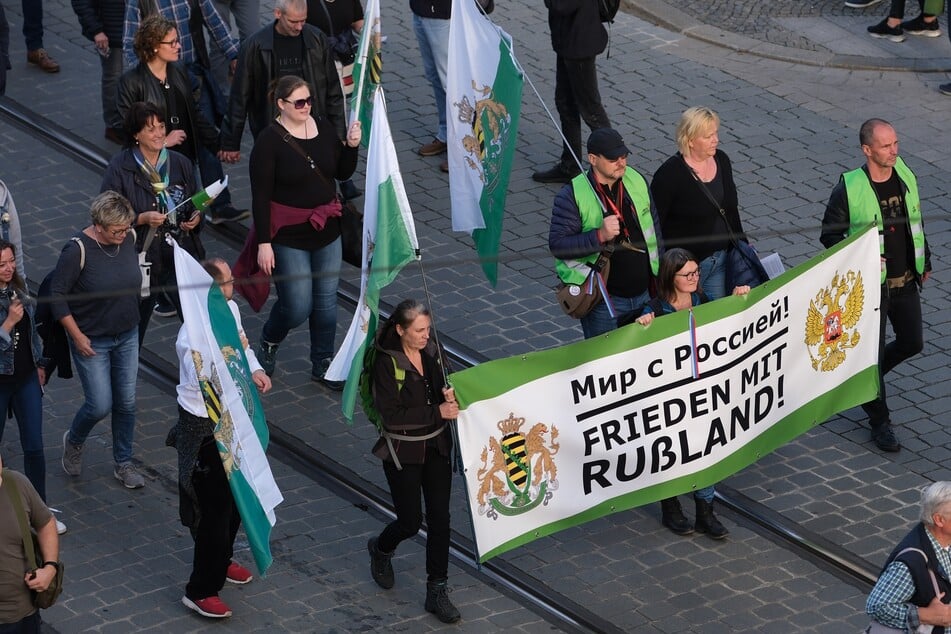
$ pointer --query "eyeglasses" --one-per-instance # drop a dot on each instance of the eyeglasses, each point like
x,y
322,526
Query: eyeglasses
x,y
175,42
300,103
690,275
119,232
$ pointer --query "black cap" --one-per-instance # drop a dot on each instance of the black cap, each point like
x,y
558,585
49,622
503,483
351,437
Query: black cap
x,y
608,143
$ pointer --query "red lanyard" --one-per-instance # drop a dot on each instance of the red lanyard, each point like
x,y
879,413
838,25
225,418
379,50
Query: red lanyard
x,y
615,207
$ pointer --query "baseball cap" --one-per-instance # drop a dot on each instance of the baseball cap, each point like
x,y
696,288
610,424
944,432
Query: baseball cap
x,y
608,143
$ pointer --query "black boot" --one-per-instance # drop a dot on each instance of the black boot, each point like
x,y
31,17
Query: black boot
x,y
437,602
672,516
707,522
380,566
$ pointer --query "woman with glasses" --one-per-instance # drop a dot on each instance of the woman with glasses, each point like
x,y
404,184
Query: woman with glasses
x,y
296,221
158,182
160,79
678,288
696,197
95,296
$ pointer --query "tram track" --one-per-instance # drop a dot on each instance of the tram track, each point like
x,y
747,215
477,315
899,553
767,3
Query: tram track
x,y
534,593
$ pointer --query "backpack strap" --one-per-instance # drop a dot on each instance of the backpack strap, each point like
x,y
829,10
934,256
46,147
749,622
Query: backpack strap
x,y
389,437
934,580
14,492
82,251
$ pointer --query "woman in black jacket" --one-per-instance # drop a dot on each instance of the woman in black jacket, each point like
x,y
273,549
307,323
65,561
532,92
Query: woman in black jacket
x,y
158,183
158,79
414,402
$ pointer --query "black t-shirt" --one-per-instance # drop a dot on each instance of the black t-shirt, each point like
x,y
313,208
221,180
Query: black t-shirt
x,y
22,355
630,269
289,54
895,222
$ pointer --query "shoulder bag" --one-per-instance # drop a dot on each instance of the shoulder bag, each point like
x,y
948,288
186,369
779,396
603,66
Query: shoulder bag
x,y
31,546
877,628
577,300
351,219
743,267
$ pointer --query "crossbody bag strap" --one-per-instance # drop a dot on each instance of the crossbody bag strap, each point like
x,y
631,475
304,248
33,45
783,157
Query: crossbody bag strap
x,y
14,492
934,580
291,141
710,197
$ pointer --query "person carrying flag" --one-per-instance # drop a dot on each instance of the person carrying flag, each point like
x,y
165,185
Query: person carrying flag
x,y
206,504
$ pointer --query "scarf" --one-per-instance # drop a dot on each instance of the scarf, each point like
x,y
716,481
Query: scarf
x,y
158,176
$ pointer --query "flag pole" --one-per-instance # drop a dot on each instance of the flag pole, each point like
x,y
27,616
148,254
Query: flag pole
x,y
453,431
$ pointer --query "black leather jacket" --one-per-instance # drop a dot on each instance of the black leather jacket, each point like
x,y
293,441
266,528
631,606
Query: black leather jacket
x,y
138,84
256,70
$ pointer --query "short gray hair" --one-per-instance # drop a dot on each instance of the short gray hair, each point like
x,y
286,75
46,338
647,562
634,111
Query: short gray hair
x,y
284,5
933,498
111,208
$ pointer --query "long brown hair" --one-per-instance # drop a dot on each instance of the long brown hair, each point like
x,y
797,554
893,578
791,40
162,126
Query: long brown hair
x,y
671,262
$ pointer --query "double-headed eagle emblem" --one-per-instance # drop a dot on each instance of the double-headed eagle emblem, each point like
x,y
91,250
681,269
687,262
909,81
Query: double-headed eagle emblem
x,y
830,323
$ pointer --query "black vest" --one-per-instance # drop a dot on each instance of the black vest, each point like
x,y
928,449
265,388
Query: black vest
x,y
924,590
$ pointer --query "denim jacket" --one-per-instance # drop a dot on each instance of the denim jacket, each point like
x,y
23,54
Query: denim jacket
x,y
6,341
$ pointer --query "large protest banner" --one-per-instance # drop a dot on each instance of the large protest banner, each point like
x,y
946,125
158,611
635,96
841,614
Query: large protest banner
x,y
556,438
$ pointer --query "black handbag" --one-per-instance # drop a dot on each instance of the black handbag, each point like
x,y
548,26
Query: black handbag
x,y
31,546
743,267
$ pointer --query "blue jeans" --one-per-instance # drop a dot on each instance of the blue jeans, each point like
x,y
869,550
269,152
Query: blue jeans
x,y
306,284
705,494
108,379
26,625
599,320
111,71
210,104
245,14
713,276
26,398
432,35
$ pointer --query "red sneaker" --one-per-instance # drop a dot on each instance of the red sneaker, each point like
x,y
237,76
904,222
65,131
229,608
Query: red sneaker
x,y
212,607
238,574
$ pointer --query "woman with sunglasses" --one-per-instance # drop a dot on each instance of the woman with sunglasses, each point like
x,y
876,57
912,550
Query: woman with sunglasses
x,y
296,221
95,296
158,182
678,288
159,79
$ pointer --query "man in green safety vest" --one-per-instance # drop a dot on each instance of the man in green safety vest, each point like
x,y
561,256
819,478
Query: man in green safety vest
x,y
606,214
885,191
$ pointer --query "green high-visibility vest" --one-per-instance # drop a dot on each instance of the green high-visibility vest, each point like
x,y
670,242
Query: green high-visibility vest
x,y
864,207
575,271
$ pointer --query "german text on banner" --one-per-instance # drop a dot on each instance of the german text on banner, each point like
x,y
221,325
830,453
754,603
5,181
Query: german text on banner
x,y
556,438
483,101
389,243
232,402
367,69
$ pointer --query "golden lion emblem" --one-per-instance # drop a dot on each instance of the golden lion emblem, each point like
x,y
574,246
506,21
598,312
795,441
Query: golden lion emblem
x,y
833,313
520,471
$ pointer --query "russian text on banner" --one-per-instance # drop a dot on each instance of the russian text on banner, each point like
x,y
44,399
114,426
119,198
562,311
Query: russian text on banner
x,y
389,243
483,102
231,399
556,438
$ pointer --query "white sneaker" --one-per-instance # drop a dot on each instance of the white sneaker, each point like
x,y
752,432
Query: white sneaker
x,y
60,527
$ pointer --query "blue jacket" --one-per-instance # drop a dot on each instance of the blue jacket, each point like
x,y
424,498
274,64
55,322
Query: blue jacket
x,y
6,341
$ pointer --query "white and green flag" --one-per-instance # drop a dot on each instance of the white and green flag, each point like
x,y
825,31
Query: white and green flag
x,y
232,402
483,101
389,243
367,69
556,438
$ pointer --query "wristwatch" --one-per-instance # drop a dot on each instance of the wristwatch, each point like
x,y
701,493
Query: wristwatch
x,y
55,564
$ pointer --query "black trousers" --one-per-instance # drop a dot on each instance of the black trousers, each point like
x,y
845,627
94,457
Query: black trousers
x,y
576,98
901,307
216,530
434,479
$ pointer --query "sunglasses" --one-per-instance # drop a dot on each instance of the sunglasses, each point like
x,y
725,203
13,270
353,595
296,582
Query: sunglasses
x,y
300,103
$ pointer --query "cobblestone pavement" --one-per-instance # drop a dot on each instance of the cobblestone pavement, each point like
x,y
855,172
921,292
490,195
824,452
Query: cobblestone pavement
x,y
790,129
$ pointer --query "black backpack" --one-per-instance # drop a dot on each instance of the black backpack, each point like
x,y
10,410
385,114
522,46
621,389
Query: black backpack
x,y
607,9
